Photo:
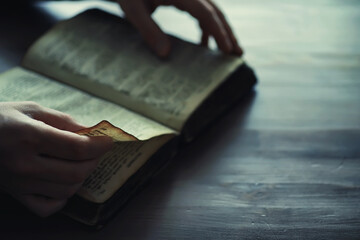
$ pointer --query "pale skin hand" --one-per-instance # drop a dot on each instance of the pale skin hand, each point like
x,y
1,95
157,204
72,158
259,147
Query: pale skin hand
x,y
42,163
211,20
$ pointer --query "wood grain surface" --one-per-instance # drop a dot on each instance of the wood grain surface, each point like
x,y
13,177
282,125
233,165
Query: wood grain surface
x,y
284,164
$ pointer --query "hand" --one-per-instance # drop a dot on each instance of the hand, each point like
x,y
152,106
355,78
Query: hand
x,y
211,21
42,163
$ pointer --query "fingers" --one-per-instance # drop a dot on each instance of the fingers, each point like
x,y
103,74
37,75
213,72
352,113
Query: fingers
x,y
67,145
37,159
49,116
62,171
55,170
236,47
57,119
139,15
209,21
40,205
43,129
28,186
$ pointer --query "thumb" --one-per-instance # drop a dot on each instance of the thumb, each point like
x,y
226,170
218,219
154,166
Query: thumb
x,y
140,16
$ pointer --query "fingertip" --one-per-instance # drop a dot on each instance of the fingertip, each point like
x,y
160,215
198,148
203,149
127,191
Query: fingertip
x,y
104,142
162,47
228,46
238,50
139,14
108,142
224,43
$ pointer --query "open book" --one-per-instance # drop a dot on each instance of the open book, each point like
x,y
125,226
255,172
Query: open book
x,y
96,67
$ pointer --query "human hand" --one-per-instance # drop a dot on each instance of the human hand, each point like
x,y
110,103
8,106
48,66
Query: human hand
x,y
42,163
211,20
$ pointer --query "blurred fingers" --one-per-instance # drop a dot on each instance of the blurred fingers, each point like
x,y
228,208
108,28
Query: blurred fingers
x,y
45,188
48,169
236,47
209,21
67,145
139,15
49,116
61,171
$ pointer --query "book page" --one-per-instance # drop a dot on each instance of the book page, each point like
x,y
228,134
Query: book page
x,y
118,165
19,84
102,54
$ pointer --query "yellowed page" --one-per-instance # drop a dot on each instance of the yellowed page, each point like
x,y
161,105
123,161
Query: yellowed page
x,y
118,165
19,84
104,55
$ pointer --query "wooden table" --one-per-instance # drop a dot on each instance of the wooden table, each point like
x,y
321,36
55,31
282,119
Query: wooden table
x,y
285,164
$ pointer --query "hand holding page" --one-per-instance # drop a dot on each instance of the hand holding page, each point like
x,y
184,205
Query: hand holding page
x,y
95,67
127,156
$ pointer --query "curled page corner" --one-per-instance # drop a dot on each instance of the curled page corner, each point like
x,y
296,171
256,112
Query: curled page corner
x,y
105,128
